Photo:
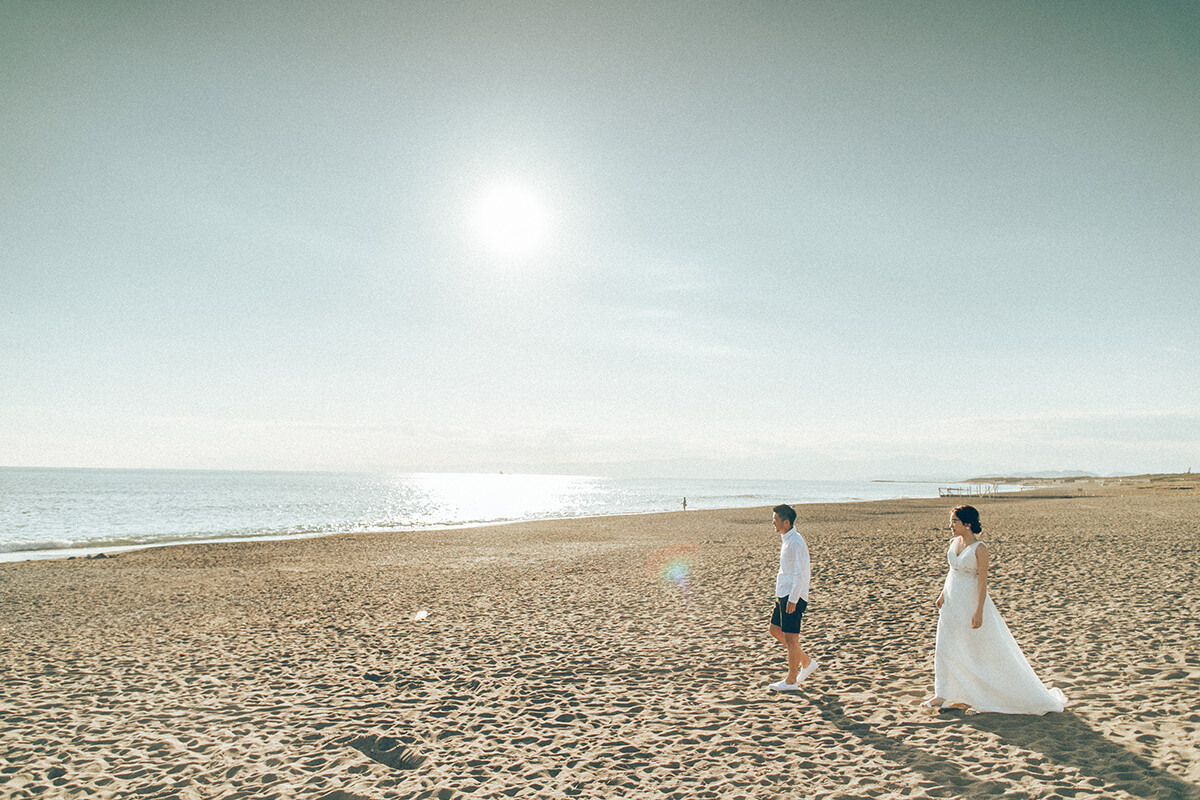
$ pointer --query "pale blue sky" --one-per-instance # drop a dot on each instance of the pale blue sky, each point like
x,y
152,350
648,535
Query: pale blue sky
x,y
784,239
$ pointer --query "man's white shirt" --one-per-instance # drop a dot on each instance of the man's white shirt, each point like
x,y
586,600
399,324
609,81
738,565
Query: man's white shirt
x,y
795,571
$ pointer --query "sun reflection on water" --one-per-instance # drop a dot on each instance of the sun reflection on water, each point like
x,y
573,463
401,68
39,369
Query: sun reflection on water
x,y
446,498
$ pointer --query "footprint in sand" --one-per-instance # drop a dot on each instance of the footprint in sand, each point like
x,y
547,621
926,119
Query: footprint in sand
x,y
388,751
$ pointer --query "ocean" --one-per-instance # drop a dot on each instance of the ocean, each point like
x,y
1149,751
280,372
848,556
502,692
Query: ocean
x,y
57,513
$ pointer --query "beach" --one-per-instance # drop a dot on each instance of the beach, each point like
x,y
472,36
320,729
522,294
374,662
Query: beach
x,y
614,657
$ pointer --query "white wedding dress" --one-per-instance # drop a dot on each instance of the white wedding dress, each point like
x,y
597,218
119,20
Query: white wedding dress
x,y
982,667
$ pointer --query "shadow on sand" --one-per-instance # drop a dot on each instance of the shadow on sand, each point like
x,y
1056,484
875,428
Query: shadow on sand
x,y
1068,740
1063,738
934,768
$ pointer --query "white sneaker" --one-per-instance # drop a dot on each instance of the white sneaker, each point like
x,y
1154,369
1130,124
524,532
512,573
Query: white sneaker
x,y
809,670
784,686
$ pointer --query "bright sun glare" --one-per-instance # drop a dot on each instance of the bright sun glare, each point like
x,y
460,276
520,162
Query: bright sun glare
x,y
511,219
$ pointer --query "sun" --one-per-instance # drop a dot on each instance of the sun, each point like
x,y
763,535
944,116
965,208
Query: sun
x,y
511,219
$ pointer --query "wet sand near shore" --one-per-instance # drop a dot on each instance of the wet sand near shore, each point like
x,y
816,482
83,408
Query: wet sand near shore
x,y
609,657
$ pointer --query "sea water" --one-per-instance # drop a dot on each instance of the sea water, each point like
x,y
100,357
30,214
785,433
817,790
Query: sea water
x,y
56,513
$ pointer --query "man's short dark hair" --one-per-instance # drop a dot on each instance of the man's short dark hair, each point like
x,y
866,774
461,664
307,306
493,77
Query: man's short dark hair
x,y
786,512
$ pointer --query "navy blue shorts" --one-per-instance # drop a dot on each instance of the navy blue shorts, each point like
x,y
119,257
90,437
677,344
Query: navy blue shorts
x,y
788,623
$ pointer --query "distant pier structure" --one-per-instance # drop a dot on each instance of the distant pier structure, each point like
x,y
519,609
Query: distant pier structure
x,y
974,490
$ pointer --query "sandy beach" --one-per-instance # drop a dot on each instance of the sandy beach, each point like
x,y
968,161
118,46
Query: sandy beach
x,y
608,657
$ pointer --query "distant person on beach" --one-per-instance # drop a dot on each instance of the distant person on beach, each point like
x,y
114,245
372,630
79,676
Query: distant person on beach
x,y
791,598
976,661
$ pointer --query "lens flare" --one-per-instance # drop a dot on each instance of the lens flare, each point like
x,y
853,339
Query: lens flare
x,y
672,565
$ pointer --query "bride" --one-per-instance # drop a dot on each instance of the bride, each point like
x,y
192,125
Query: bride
x,y
977,662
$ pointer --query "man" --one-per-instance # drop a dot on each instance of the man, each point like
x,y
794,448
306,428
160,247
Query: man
x,y
791,599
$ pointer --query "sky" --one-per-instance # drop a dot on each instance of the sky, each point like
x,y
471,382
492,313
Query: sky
x,y
729,239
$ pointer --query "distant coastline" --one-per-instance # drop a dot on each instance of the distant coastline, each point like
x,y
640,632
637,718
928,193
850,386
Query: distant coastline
x,y
1054,480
